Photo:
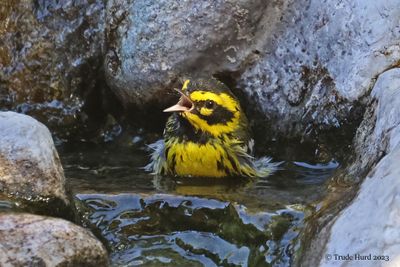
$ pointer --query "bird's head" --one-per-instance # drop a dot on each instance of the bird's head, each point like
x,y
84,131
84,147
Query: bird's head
x,y
209,106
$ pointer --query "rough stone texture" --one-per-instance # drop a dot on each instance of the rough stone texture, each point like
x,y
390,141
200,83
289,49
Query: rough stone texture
x,y
152,43
370,223
31,240
317,58
29,164
377,133
50,52
303,65
387,126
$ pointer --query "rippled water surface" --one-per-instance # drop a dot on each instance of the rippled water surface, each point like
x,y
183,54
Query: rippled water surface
x,y
153,221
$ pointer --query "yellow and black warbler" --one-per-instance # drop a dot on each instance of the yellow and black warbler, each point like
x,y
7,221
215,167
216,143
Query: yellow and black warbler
x,y
207,136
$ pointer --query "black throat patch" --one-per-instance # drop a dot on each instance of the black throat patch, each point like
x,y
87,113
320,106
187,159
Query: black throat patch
x,y
179,127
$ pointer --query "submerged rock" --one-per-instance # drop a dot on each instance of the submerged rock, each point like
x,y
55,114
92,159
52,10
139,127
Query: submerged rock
x,y
32,240
30,169
170,230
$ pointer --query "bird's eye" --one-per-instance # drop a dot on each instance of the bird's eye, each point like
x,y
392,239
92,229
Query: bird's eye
x,y
209,104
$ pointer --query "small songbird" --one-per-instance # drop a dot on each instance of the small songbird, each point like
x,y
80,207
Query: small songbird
x,y
207,136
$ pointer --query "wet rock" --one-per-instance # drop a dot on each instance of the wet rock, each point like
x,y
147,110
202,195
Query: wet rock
x,y
387,126
153,43
302,65
369,224
50,54
378,131
32,240
318,59
30,168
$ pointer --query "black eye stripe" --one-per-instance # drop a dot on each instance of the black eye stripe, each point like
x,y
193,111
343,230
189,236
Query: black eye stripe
x,y
220,115
209,104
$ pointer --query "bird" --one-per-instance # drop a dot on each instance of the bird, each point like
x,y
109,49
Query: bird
x,y
207,135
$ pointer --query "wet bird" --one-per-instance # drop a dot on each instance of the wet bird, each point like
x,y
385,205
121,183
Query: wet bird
x,y
207,136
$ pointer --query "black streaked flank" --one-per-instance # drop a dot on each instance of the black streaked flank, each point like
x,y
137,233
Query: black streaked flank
x,y
220,164
173,162
232,161
181,129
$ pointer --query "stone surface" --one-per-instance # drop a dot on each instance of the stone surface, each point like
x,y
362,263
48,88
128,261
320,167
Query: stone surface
x,y
378,132
31,240
303,65
370,223
387,126
317,58
50,54
30,168
150,44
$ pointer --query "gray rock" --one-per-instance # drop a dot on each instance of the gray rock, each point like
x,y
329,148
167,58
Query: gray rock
x,y
153,43
378,131
318,59
32,240
30,168
50,52
369,224
304,66
387,126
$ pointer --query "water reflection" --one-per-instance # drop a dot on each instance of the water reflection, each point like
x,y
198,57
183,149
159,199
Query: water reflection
x,y
189,231
165,221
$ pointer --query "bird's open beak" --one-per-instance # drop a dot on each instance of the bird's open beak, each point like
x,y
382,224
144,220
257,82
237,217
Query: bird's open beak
x,y
184,103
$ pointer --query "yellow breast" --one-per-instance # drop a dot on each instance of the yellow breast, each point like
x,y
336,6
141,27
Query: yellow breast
x,y
193,159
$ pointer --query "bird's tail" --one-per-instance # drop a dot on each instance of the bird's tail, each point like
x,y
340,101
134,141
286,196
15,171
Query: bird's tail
x,y
265,167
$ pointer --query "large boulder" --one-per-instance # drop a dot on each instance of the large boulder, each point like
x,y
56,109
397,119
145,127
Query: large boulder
x,y
150,44
32,240
369,225
50,54
305,66
319,60
30,169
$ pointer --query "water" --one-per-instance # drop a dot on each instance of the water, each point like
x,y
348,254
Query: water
x,y
153,221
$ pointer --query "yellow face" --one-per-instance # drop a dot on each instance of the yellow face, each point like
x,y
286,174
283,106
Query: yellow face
x,y
214,113
210,110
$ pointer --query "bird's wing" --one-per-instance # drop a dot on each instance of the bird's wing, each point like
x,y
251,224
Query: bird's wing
x,y
157,158
251,166
250,146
